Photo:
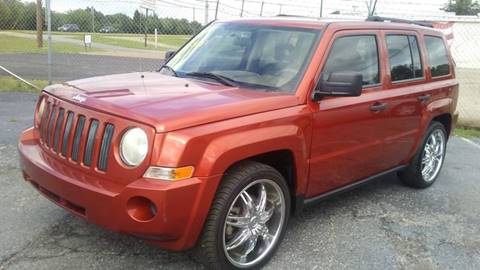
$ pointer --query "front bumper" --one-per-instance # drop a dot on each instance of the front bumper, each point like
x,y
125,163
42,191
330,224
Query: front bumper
x,y
180,208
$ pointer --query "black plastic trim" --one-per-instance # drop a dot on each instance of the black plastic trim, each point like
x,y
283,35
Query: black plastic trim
x,y
51,122
58,127
332,193
92,132
66,133
105,147
77,137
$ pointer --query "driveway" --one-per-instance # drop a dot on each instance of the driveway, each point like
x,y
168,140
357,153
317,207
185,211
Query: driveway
x,y
383,225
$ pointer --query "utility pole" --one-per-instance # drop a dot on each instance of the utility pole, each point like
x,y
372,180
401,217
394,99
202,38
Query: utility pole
x,y
243,5
261,9
206,12
49,31
321,8
39,24
216,9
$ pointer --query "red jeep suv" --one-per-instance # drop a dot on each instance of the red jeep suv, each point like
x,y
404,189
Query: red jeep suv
x,y
244,125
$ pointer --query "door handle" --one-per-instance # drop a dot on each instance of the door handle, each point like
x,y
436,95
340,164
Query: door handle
x,y
378,107
424,98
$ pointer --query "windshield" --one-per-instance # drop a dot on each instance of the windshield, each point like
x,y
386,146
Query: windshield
x,y
254,56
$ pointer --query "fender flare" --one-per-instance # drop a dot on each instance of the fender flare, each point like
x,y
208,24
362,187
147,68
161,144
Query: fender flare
x,y
223,152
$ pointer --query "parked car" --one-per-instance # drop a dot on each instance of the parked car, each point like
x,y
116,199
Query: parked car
x,y
249,122
108,29
69,28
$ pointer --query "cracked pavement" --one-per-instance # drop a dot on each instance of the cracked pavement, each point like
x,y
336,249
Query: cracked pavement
x,y
383,225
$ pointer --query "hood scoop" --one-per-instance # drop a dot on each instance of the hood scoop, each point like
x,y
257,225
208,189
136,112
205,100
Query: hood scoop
x,y
110,93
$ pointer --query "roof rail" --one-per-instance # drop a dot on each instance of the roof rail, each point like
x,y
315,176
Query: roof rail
x,y
395,20
294,16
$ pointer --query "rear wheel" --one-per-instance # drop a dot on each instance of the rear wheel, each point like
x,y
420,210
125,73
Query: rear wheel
x,y
247,219
428,161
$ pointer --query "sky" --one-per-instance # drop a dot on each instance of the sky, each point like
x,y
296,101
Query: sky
x,y
195,9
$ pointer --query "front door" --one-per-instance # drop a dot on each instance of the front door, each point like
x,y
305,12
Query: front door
x,y
348,132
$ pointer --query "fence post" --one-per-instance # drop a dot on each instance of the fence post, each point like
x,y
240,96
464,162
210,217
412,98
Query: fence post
x,y
146,26
216,9
321,8
49,33
206,12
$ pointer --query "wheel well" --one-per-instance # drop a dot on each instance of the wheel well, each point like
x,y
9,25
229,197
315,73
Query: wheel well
x,y
282,161
445,120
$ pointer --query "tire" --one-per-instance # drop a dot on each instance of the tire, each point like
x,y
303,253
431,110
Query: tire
x,y
217,247
413,175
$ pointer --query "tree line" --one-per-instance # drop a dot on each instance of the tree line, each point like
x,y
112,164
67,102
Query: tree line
x,y
17,15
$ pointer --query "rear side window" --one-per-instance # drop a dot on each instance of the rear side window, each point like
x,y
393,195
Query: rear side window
x,y
437,56
354,54
404,57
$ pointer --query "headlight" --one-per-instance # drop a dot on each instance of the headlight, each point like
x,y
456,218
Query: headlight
x,y
40,110
134,147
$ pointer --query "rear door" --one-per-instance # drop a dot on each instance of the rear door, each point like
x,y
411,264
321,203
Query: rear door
x,y
406,94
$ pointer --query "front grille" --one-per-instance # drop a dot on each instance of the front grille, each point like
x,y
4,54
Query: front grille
x,y
76,136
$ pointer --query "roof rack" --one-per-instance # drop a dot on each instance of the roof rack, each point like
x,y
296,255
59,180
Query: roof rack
x,y
395,20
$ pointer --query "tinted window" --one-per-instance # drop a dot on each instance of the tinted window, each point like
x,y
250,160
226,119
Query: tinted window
x,y
253,55
417,61
404,57
354,54
437,56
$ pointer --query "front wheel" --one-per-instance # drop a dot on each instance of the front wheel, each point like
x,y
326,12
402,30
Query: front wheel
x,y
247,219
428,161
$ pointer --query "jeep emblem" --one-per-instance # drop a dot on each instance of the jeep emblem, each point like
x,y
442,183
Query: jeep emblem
x,y
79,98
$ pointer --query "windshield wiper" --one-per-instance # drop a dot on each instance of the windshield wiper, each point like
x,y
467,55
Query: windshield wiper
x,y
169,68
219,78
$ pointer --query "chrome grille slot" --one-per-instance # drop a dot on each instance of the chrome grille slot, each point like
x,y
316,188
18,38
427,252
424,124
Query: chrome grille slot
x,y
77,137
87,156
105,147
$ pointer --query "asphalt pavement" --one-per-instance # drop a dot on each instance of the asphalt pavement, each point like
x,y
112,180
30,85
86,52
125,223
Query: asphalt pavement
x,y
383,225
67,67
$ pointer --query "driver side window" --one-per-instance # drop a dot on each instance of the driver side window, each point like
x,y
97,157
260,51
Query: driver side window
x,y
357,53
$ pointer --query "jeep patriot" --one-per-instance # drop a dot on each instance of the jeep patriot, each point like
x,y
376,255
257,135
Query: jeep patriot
x,y
241,127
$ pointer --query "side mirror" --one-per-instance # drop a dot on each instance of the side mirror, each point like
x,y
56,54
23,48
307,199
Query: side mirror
x,y
169,54
342,84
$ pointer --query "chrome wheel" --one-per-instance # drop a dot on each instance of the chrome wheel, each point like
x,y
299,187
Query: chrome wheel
x,y
254,223
432,156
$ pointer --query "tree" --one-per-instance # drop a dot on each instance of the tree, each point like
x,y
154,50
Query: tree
x,y
463,7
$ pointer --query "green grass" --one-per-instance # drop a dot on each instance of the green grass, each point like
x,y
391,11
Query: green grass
x,y
10,44
467,132
137,41
9,84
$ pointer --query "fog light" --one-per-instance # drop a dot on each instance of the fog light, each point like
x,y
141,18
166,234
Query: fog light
x,y
169,174
141,209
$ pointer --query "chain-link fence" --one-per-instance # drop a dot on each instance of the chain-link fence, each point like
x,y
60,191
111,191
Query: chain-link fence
x,y
99,37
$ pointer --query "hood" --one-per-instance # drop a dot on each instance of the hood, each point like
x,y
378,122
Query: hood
x,y
167,103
